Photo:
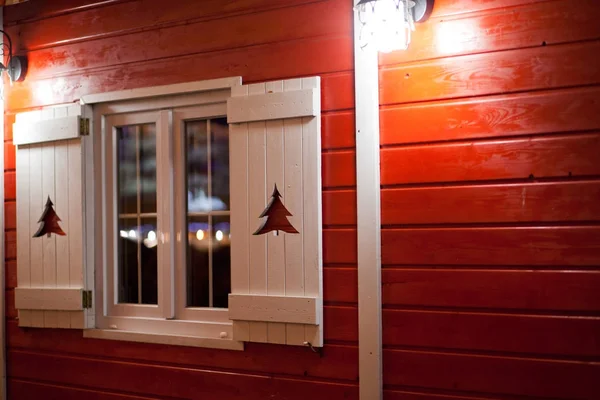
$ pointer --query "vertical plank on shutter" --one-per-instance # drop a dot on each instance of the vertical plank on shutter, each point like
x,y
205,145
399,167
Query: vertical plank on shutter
x,y
311,153
23,236
76,278
61,205
275,244
49,243
294,274
238,161
36,207
257,200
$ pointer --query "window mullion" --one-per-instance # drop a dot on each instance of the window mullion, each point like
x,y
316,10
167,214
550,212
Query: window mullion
x,y
138,210
165,215
210,219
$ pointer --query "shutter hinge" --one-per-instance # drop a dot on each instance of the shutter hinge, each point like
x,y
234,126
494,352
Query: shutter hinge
x,y
86,298
84,126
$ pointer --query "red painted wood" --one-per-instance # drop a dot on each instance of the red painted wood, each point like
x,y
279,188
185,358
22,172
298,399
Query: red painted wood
x,y
9,309
542,157
338,169
9,156
413,394
530,202
492,374
159,381
116,19
548,335
339,246
10,215
277,26
337,90
509,28
337,130
10,186
339,207
24,11
10,274
560,246
18,389
341,284
563,110
336,362
562,290
10,245
449,7
260,63
514,70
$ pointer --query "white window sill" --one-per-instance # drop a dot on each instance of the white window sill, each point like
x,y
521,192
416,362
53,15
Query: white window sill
x,y
176,340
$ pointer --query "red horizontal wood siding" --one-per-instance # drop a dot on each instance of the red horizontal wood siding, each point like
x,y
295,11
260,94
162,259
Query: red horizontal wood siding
x,y
490,194
79,47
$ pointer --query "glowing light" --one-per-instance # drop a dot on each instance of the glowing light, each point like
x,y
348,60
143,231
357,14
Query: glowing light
x,y
123,234
132,234
386,24
200,234
151,235
219,235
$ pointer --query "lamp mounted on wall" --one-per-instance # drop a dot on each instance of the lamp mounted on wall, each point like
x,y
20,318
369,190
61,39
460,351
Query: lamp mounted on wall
x,y
16,66
388,24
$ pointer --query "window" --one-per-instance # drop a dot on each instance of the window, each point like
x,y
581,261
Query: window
x,y
165,206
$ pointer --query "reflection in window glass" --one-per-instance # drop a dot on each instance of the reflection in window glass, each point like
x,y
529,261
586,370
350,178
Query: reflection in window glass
x,y
208,259
136,155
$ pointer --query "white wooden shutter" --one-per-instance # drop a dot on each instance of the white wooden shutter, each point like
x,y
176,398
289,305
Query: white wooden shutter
x,y
52,280
276,281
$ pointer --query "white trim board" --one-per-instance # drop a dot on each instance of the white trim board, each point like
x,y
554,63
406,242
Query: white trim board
x,y
2,263
164,90
366,94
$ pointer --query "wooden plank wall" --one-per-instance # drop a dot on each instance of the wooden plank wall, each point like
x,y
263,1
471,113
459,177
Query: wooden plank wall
x,y
77,47
490,131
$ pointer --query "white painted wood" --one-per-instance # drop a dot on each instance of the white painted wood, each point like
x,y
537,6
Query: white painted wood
x,y
173,340
257,200
295,310
293,262
23,224
36,207
240,229
205,329
293,195
46,131
275,243
276,105
368,219
49,243
313,222
66,299
165,208
164,90
2,254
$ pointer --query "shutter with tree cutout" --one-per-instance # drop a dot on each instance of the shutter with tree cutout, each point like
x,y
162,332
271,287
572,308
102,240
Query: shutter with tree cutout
x,y
276,222
52,280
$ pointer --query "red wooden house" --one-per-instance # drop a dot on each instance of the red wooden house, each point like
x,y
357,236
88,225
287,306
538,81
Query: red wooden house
x,y
476,243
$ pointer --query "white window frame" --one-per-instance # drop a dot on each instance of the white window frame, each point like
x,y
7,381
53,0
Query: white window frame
x,y
169,107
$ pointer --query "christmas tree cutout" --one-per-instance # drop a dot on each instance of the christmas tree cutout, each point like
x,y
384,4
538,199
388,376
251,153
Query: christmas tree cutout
x,y
49,222
276,214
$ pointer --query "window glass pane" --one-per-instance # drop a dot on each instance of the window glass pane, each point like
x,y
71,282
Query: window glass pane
x,y
137,252
219,149
149,259
128,260
197,261
221,260
197,166
127,154
148,168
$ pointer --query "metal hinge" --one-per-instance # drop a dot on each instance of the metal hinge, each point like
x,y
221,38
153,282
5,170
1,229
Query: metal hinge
x,y
84,126
86,298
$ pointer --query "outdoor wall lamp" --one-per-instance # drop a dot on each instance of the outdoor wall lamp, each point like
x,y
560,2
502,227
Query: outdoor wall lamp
x,y
387,24
16,66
